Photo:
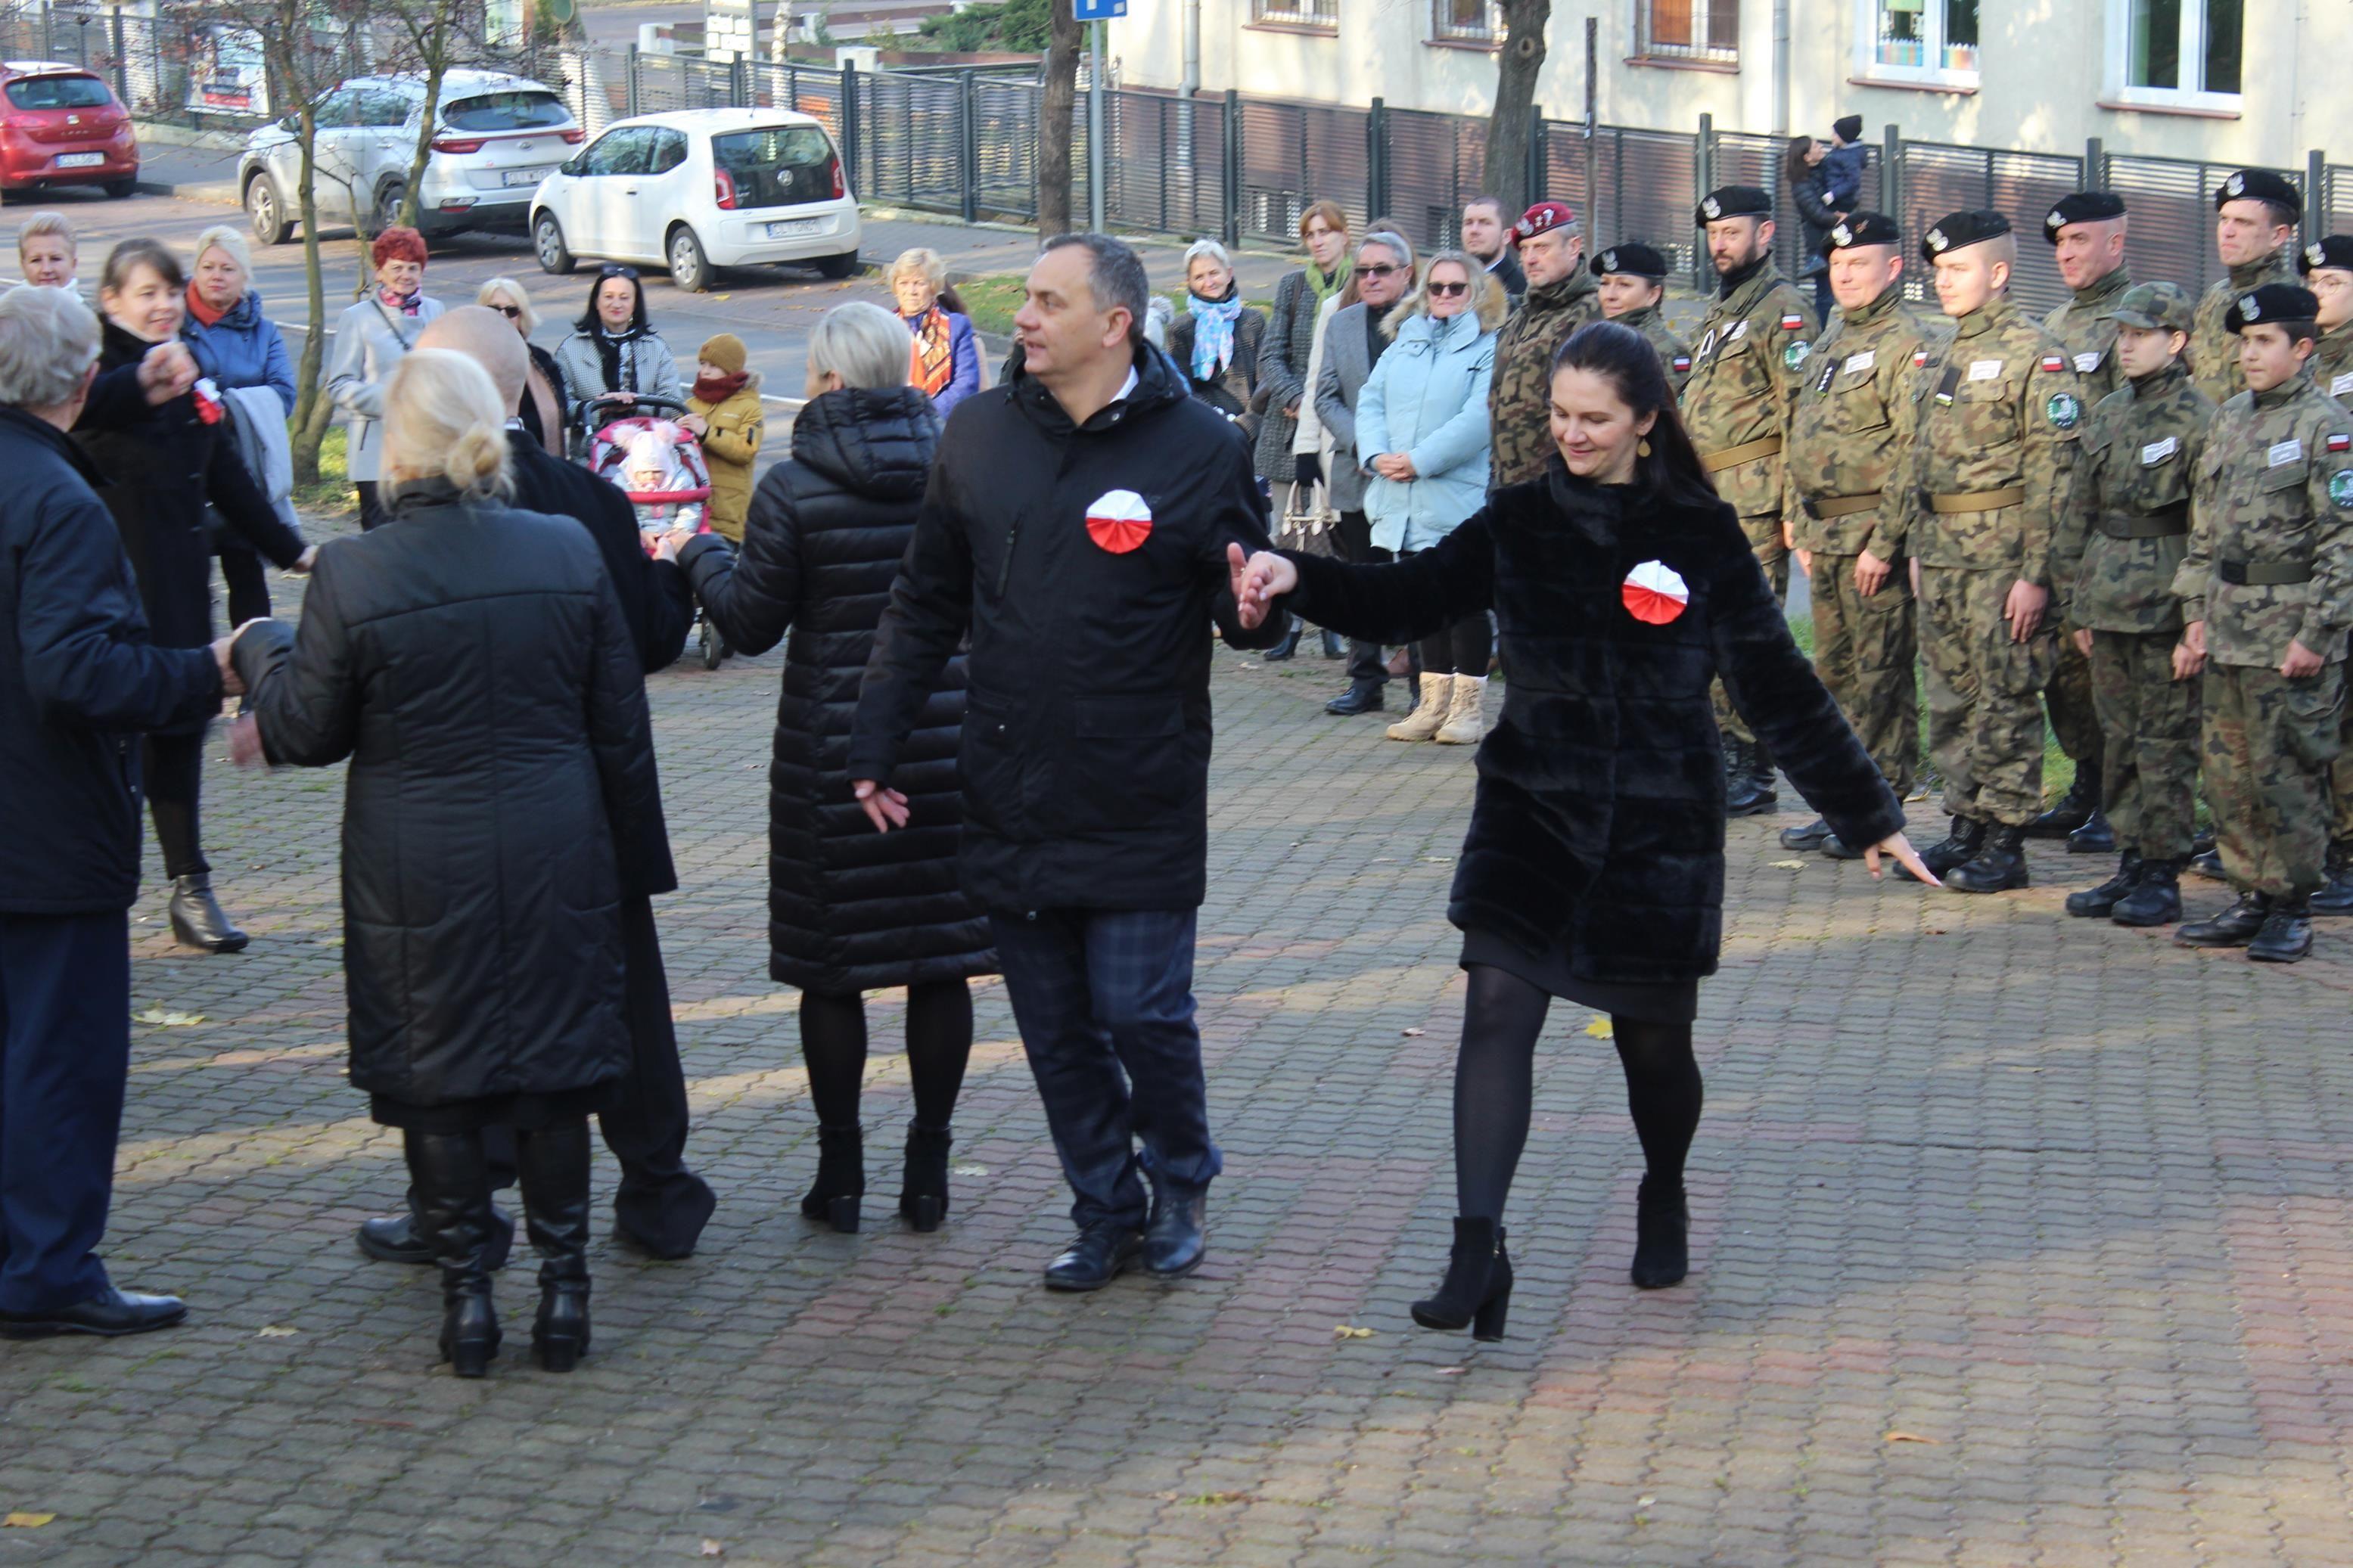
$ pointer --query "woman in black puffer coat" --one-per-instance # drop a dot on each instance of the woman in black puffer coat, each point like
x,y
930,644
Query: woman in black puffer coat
x,y
849,909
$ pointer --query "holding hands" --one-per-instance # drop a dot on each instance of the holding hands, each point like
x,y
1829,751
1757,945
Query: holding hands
x,y
1257,580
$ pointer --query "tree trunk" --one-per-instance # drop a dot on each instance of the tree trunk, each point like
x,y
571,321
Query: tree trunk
x,y
436,68
308,426
1512,124
1056,121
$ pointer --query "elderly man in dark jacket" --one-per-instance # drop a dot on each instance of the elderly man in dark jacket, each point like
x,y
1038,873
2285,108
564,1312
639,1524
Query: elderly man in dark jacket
x,y
661,1206
1076,525
78,681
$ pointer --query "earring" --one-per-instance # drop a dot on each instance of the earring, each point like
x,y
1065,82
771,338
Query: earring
x,y
1642,448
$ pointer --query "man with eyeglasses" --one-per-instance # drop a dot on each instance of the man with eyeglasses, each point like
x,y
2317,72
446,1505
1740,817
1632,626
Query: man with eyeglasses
x,y
1352,345
1562,297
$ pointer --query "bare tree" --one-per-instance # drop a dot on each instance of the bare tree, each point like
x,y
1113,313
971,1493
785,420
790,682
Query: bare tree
x,y
1056,103
434,35
1512,124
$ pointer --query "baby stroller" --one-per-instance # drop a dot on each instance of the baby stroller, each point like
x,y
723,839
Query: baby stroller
x,y
650,458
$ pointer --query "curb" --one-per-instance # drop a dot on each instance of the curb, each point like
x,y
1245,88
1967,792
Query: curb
x,y
222,192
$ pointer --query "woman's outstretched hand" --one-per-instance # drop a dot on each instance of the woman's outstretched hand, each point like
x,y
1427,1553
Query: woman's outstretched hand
x,y
1898,845
885,808
1257,580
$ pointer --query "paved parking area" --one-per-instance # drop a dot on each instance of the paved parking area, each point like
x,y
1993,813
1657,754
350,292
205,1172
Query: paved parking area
x,y
2017,1239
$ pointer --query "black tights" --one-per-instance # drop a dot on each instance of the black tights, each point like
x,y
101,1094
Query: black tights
x,y
939,1043
172,767
1495,1085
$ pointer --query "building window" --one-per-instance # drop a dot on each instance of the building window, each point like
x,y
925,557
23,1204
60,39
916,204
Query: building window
x,y
2175,53
1688,30
1323,16
1933,42
1479,22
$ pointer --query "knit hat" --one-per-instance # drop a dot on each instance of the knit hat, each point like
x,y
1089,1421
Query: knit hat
x,y
1847,128
726,351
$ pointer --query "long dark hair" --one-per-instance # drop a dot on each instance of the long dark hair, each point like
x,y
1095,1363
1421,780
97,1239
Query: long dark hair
x,y
591,323
1624,358
1793,161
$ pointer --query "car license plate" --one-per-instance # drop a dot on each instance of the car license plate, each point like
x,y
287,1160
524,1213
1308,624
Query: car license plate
x,y
80,160
525,176
795,228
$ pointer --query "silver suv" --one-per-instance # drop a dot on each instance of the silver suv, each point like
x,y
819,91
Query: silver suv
x,y
495,138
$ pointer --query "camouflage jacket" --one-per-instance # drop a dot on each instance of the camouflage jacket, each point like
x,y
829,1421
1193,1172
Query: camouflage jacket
x,y
2084,330
1675,355
2332,364
1995,402
2125,528
1519,399
2214,350
2274,495
1744,374
1855,420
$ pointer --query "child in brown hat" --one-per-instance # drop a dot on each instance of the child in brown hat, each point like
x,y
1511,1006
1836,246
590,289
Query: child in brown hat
x,y
723,411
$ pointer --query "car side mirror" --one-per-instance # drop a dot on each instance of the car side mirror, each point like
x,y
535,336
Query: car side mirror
x,y
572,165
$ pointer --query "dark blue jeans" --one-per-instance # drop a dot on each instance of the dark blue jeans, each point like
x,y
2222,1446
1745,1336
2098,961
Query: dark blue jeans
x,y
1104,1002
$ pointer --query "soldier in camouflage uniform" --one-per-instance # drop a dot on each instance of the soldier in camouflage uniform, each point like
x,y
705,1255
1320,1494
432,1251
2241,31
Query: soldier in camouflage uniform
x,y
1853,422
2327,267
1744,376
1633,281
2120,543
2255,215
2087,231
2267,602
1562,297
1982,485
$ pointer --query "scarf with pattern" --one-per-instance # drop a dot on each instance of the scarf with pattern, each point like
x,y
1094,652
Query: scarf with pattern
x,y
1213,332
934,363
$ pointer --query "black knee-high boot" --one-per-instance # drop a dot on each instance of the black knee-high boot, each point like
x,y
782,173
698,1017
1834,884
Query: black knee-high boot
x,y
452,1185
552,1164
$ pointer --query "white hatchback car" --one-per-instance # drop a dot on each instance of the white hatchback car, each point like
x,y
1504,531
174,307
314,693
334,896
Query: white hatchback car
x,y
702,189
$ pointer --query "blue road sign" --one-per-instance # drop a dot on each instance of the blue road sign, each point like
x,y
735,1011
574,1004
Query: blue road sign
x,y
1097,10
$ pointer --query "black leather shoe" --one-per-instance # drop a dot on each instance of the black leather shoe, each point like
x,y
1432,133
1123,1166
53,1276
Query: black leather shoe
x,y
1176,1238
197,919
1997,868
1362,697
1837,848
2093,904
2075,809
1288,646
2335,895
2286,936
1748,782
2234,926
2157,901
2096,837
111,1313
2207,863
1810,836
1957,847
1661,1237
1099,1254
1477,1291
394,1238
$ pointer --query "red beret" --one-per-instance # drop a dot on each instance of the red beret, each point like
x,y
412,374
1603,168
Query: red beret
x,y
1543,218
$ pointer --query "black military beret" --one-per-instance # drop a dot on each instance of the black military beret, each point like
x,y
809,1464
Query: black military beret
x,y
2260,185
1847,128
2081,207
1633,261
1955,231
1861,228
2272,302
1733,201
2332,251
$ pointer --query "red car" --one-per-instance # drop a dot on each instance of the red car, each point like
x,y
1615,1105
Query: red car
x,y
61,125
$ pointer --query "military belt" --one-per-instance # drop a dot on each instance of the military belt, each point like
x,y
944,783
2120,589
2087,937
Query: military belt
x,y
2261,574
1984,500
2164,523
1829,506
1733,456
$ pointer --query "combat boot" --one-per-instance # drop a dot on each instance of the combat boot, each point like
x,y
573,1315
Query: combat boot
x,y
2157,901
2234,926
2094,902
2335,895
1997,868
2286,935
2075,809
2207,863
1956,849
2096,837
1747,786
1810,836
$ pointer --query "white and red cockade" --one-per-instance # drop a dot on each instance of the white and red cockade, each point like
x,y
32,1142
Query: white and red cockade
x,y
1654,592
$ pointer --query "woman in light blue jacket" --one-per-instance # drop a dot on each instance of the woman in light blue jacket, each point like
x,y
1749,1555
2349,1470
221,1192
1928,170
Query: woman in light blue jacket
x,y
1421,440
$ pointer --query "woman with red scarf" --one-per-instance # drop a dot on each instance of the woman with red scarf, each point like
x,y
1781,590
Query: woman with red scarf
x,y
724,412
946,359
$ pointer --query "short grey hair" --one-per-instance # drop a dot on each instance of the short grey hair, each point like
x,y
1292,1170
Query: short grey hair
x,y
48,340
864,344
1115,276
1390,240
230,243
1210,248
493,288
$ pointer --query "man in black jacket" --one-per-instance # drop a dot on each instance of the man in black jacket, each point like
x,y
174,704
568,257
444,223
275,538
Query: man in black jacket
x,y
78,681
661,1206
1077,527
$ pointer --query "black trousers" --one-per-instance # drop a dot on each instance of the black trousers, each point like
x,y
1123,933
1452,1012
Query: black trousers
x,y
371,513
1352,541
173,769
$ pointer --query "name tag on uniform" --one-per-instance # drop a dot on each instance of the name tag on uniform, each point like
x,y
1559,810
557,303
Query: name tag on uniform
x,y
2286,451
1860,361
2341,385
1985,370
2157,451
1739,330
2087,363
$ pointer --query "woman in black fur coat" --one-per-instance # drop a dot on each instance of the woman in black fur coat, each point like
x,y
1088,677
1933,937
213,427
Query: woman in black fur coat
x,y
1594,866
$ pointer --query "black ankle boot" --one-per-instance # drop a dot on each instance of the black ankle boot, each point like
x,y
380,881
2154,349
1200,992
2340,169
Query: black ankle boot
x,y
1997,868
1477,1289
2157,901
840,1178
2075,809
924,1186
2093,904
2234,926
2286,936
1661,1235
553,1165
2096,837
1334,645
1288,646
197,919
452,1184
1747,781
2335,895
2207,863
1957,847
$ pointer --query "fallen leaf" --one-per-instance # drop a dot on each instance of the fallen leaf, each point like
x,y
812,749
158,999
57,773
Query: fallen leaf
x,y
1414,1034
1453,1371
1644,1501
1350,1331
1915,1437
1601,1029
969,1170
169,1019
1786,864
713,1549
26,1521
276,1332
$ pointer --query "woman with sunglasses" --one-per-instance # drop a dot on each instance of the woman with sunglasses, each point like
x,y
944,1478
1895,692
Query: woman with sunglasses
x,y
1421,443
544,408
613,353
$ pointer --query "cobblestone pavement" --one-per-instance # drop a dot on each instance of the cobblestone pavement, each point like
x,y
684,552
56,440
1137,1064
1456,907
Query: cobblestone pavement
x,y
2017,1239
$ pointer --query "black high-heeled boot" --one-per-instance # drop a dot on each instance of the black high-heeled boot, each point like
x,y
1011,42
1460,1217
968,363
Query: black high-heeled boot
x,y
840,1178
1477,1289
1661,1235
1288,646
553,1165
452,1184
923,1184
197,919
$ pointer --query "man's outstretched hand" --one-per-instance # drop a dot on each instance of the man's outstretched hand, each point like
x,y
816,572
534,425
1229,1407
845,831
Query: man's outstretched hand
x,y
1257,580
885,808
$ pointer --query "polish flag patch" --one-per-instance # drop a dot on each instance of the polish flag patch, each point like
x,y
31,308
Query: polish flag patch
x,y
1655,593
2053,362
2340,442
1682,363
1919,359
1119,520
1791,321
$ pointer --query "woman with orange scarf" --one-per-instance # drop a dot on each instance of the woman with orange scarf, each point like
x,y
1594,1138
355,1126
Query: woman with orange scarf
x,y
946,360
